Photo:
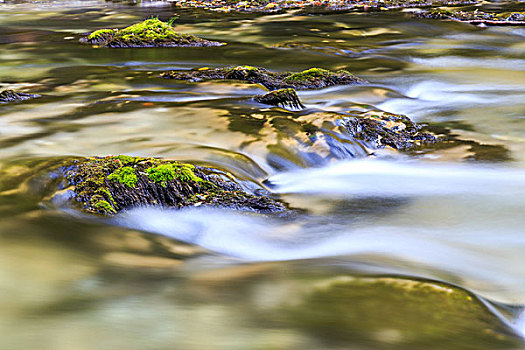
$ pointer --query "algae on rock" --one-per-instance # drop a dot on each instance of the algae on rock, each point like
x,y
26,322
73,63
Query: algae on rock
x,y
110,184
149,33
313,78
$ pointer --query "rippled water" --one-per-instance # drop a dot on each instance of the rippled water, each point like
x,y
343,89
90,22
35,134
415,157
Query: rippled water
x,y
210,279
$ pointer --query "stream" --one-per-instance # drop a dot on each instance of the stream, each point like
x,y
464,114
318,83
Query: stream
x,y
204,278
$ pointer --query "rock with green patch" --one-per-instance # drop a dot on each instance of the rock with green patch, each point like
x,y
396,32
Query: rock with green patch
x,y
7,96
149,33
283,97
313,78
398,313
114,183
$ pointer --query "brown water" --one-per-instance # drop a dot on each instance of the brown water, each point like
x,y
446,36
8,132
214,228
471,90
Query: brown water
x,y
203,279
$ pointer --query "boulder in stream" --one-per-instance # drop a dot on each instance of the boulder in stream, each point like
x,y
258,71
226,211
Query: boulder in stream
x,y
313,78
149,33
282,97
388,129
107,185
388,312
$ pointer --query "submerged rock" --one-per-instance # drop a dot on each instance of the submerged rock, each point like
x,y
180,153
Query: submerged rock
x,y
282,97
13,96
110,184
149,33
400,313
313,78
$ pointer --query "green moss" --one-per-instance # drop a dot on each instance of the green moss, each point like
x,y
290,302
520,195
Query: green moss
x,y
127,159
105,192
125,175
248,68
309,74
101,205
164,173
101,33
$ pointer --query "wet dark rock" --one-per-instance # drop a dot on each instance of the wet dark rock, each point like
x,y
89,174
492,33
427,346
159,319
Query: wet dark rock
x,y
387,129
282,97
475,17
149,33
13,96
314,78
114,183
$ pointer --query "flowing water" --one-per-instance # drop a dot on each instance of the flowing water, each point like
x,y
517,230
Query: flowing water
x,y
214,279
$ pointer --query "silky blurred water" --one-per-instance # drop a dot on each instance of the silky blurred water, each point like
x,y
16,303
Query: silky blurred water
x,y
213,279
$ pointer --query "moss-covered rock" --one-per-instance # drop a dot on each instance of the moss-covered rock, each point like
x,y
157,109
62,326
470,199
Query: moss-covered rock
x,y
282,97
110,184
149,33
314,78
399,313
13,96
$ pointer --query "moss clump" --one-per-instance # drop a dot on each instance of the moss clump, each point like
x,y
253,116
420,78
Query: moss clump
x,y
101,205
314,78
312,73
109,184
125,175
166,172
101,34
149,33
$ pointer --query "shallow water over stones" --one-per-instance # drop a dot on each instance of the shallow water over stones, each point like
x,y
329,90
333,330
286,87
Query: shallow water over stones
x,y
448,214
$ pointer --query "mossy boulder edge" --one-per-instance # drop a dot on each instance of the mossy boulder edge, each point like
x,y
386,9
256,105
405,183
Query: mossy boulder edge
x,y
107,185
313,78
149,33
